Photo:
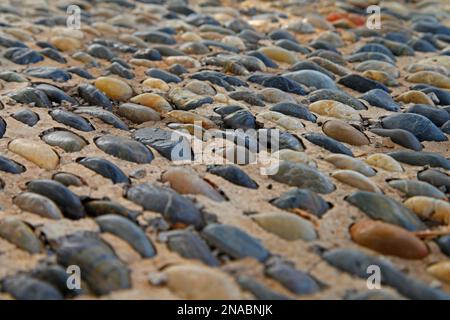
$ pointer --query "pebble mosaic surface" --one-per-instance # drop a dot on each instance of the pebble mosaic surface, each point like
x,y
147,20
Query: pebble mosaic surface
x,y
88,117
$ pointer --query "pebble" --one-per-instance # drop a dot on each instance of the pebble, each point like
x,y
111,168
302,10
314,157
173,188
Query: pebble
x,y
234,242
429,208
26,116
281,120
174,207
31,96
114,88
302,199
381,99
296,281
187,100
382,77
36,152
422,158
51,73
167,143
124,148
435,115
65,43
302,176
418,125
190,117
400,136
331,108
103,115
37,204
431,78
435,177
311,65
356,179
385,162
154,101
336,95
165,76
259,290
156,84
234,175
391,70
137,113
93,96
65,139
388,239
356,262
71,119
415,96
68,202
100,51
361,84
68,179
11,166
23,56
327,143
20,234
384,208
441,271
55,94
294,110
287,226
279,54
294,156
86,252
344,132
104,168
200,282
23,287
346,162
128,231
312,79
200,88
187,182
190,245
241,119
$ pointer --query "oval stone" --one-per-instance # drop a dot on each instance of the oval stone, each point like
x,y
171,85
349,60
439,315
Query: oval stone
x,y
187,182
37,152
287,226
124,148
114,88
344,132
388,239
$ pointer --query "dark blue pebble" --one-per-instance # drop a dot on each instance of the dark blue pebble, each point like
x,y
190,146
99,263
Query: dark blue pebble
x,y
265,59
80,72
356,263
420,126
22,55
53,54
327,143
163,75
381,99
55,94
147,54
294,110
436,115
361,84
52,73
104,168
118,69
93,96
